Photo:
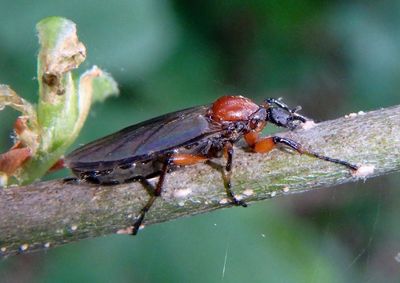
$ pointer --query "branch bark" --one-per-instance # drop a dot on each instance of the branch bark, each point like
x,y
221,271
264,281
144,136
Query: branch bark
x,y
48,214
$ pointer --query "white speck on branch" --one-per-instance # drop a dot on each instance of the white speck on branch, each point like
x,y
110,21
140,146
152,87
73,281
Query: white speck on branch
x,y
47,214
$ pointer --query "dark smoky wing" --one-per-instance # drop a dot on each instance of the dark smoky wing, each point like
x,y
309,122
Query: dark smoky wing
x,y
144,139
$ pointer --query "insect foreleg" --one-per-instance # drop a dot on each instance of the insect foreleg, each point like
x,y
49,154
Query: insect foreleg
x,y
298,147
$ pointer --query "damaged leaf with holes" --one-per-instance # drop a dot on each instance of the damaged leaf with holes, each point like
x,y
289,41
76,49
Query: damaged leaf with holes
x,y
44,131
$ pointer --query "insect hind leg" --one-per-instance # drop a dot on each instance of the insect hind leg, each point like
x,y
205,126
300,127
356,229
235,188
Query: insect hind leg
x,y
154,192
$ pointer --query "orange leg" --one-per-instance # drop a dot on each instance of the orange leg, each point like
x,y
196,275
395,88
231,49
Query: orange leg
x,y
264,145
260,145
184,159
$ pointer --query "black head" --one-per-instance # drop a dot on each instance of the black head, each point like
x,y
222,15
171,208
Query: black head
x,y
281,115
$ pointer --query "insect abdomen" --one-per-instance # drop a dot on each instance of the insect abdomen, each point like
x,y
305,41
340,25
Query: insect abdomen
x,y
123,173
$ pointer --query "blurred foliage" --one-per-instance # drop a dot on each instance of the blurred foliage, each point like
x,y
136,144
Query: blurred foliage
x,y
331,57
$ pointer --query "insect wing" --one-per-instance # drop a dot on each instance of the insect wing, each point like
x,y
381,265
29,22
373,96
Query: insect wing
x,y
140,141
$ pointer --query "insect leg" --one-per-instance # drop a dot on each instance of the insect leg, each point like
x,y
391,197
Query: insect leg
x,y
179,159
296,146
228,152
153,192
70,180
183,159
266,144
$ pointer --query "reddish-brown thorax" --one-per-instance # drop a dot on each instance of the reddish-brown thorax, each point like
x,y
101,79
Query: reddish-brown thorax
x,y
232,108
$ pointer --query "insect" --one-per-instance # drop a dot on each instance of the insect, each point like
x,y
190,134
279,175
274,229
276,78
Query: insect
x,y
157,146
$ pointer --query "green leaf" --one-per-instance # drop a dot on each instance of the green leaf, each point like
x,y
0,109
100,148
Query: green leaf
x,y
64,102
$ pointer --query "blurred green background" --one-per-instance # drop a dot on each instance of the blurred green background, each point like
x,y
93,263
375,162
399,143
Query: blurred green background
x,y
331,57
